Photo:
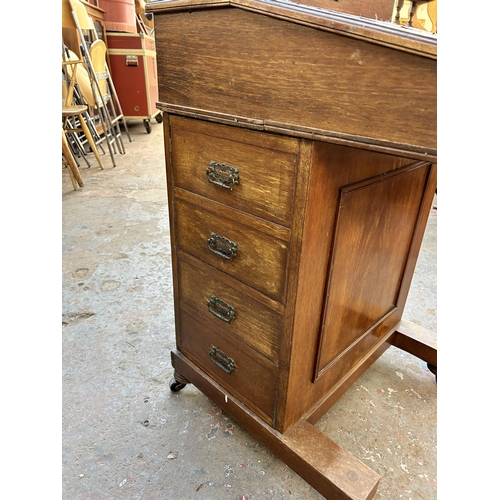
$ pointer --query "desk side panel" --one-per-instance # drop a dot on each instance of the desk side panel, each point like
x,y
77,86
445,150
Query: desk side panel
x,y
356,267
374,228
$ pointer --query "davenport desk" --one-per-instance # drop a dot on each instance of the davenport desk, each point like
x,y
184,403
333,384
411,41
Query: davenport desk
x,y
301,167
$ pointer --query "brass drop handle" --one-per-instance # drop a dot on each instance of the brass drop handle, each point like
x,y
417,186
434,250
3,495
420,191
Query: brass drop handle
x,y
222,175
221,246
221,309
222,360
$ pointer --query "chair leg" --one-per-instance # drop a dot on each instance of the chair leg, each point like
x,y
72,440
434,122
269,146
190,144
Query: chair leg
x,y
88,135
71,176
107,132
76,146
72,166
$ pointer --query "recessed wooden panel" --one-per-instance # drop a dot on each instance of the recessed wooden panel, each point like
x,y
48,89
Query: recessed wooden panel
x,y
374,230
265,164
333,167
251,321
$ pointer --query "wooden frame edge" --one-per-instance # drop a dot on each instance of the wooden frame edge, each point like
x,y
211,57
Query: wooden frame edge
x,y
416,340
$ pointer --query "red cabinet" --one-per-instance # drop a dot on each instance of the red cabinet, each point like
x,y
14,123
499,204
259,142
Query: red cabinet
x,y
132,60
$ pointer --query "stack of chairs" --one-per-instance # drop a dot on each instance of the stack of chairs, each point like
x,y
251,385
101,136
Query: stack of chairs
x,y
76,132
92,88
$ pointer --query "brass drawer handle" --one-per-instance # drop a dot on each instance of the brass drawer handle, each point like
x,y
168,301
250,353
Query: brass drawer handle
x,y
222,247
221,309
222,360
222,175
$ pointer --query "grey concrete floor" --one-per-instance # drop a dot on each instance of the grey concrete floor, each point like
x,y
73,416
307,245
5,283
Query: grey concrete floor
x,y
126,436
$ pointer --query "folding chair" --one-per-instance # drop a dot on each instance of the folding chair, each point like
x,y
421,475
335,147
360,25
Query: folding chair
x,y
106,103
73,119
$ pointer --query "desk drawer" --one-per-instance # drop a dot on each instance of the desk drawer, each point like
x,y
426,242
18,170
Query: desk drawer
x,y
230,306
251,171
244,373
240,250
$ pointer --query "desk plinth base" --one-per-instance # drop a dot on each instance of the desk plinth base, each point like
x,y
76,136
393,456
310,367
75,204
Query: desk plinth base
x,y
326,466
334,472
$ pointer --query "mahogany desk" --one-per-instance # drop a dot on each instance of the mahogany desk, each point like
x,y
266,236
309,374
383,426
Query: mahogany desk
x,y
301,167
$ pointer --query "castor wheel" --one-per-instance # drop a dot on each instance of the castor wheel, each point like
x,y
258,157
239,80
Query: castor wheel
x,y
159,117
176,386
147,125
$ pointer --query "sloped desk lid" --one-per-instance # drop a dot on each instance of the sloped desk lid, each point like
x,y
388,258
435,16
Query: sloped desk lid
x,y
380,32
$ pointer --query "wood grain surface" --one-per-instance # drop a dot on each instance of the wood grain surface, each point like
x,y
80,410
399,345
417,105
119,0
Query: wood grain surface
x,y
218,60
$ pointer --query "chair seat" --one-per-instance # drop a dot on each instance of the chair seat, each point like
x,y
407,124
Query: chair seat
x,y
74,110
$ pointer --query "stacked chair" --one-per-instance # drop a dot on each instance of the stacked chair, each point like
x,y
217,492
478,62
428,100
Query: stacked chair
x,y
75,121
92,113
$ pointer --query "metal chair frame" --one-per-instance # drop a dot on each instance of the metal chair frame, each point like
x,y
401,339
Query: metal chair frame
x,y
109,115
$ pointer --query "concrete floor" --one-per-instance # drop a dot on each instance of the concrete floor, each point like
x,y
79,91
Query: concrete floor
x,y
126,436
